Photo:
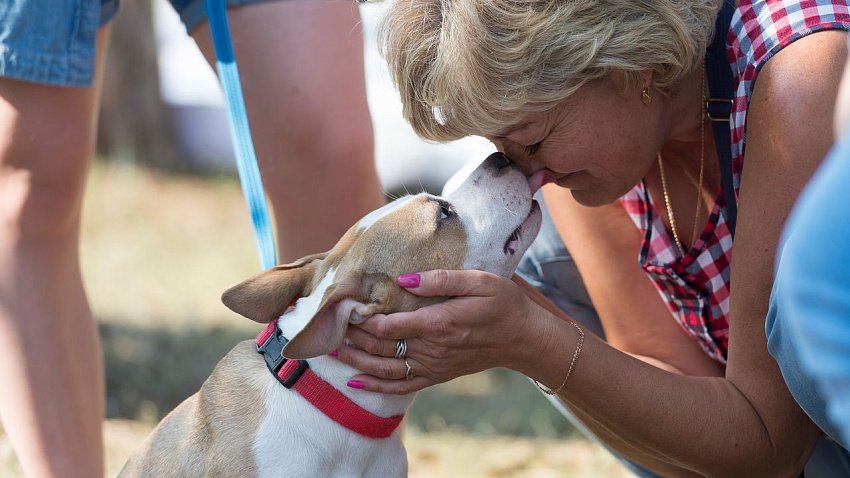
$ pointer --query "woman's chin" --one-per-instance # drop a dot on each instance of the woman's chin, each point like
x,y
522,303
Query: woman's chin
x,y
589,191
593,198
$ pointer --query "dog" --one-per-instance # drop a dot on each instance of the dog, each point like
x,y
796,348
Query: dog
x,y
247,421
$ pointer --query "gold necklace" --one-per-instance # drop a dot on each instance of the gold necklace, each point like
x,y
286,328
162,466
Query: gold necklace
x,y
699,184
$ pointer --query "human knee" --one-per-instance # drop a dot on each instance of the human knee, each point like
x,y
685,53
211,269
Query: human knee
x,y
42,185
336,157
329,138
46,140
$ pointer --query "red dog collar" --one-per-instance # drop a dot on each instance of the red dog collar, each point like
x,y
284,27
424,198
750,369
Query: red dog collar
x,y
296,375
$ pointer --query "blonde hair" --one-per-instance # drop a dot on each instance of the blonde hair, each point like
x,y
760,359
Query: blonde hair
x,y
470,66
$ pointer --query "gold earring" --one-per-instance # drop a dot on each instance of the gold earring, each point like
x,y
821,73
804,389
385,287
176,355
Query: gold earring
x,y
645,97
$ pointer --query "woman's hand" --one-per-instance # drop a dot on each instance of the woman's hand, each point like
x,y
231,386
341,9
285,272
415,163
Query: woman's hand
x,y
486,323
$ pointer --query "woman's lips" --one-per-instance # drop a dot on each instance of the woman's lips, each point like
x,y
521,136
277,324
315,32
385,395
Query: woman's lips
x,y
538,179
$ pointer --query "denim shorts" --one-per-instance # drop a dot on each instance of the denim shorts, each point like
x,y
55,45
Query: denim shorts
x,y
58,48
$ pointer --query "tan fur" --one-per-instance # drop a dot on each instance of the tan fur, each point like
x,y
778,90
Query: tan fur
x,y
368,261
266,296
411,239
210,433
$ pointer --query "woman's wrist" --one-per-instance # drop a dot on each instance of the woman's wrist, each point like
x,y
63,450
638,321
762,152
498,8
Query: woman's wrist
x,y
548,349
576,353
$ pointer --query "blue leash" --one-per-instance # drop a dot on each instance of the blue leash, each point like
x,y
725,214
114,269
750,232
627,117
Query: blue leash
x,y
240,131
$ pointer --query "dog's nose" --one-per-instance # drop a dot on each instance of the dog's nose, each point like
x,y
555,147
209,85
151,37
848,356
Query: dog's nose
x,y
498,161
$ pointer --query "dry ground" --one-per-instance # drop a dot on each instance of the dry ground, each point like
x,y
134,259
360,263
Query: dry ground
x,y
440,455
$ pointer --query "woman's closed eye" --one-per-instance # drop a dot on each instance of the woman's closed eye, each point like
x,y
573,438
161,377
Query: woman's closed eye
x,y
532,148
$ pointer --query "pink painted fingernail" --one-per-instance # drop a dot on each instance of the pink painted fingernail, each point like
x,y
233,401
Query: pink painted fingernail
x,y
408,281
334,354
355,384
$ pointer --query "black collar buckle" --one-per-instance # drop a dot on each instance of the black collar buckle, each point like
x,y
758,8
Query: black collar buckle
x,y
271,350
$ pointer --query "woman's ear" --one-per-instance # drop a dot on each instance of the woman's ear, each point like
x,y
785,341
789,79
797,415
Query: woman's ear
x,y
645,77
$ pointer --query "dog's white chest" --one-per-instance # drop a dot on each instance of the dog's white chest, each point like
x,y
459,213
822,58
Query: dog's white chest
x,y
294,439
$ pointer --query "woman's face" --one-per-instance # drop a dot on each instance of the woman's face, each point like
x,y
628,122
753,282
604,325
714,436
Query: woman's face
x,y
598,143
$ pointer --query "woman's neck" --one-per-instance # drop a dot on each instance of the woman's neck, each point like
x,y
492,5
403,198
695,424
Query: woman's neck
x,y
690,141
686,106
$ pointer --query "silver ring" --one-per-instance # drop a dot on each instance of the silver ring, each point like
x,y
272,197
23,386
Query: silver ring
x,y
400,348
409,374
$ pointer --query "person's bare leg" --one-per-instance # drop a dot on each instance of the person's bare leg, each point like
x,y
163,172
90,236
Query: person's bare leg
x,y
52,404
301,64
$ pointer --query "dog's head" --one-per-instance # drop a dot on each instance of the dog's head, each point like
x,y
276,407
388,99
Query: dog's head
x,y
487,223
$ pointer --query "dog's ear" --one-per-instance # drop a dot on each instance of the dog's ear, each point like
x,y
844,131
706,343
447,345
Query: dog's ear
x,y
350,300
266,296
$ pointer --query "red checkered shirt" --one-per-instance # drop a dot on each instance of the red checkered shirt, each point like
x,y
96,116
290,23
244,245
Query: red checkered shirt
x,y
695,286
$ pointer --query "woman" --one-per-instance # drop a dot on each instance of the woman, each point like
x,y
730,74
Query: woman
x,y
604,98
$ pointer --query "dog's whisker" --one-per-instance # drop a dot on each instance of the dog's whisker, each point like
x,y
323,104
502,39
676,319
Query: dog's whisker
x,y
512,212
389,194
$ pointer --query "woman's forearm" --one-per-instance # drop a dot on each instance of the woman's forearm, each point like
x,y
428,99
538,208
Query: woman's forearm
x,y
650,459
645,457
629,401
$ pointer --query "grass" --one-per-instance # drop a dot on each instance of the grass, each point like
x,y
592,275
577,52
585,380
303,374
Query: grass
x,y
157,252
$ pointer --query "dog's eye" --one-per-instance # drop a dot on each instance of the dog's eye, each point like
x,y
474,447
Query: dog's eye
x,y
446,211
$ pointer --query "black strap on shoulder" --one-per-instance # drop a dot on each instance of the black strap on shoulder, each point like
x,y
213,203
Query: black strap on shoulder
x,y
718,107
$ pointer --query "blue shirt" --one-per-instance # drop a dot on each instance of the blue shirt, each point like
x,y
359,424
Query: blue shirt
x,y
814,286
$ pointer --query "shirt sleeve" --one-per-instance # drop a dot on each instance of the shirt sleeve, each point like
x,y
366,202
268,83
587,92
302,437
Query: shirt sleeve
x,y
815,284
